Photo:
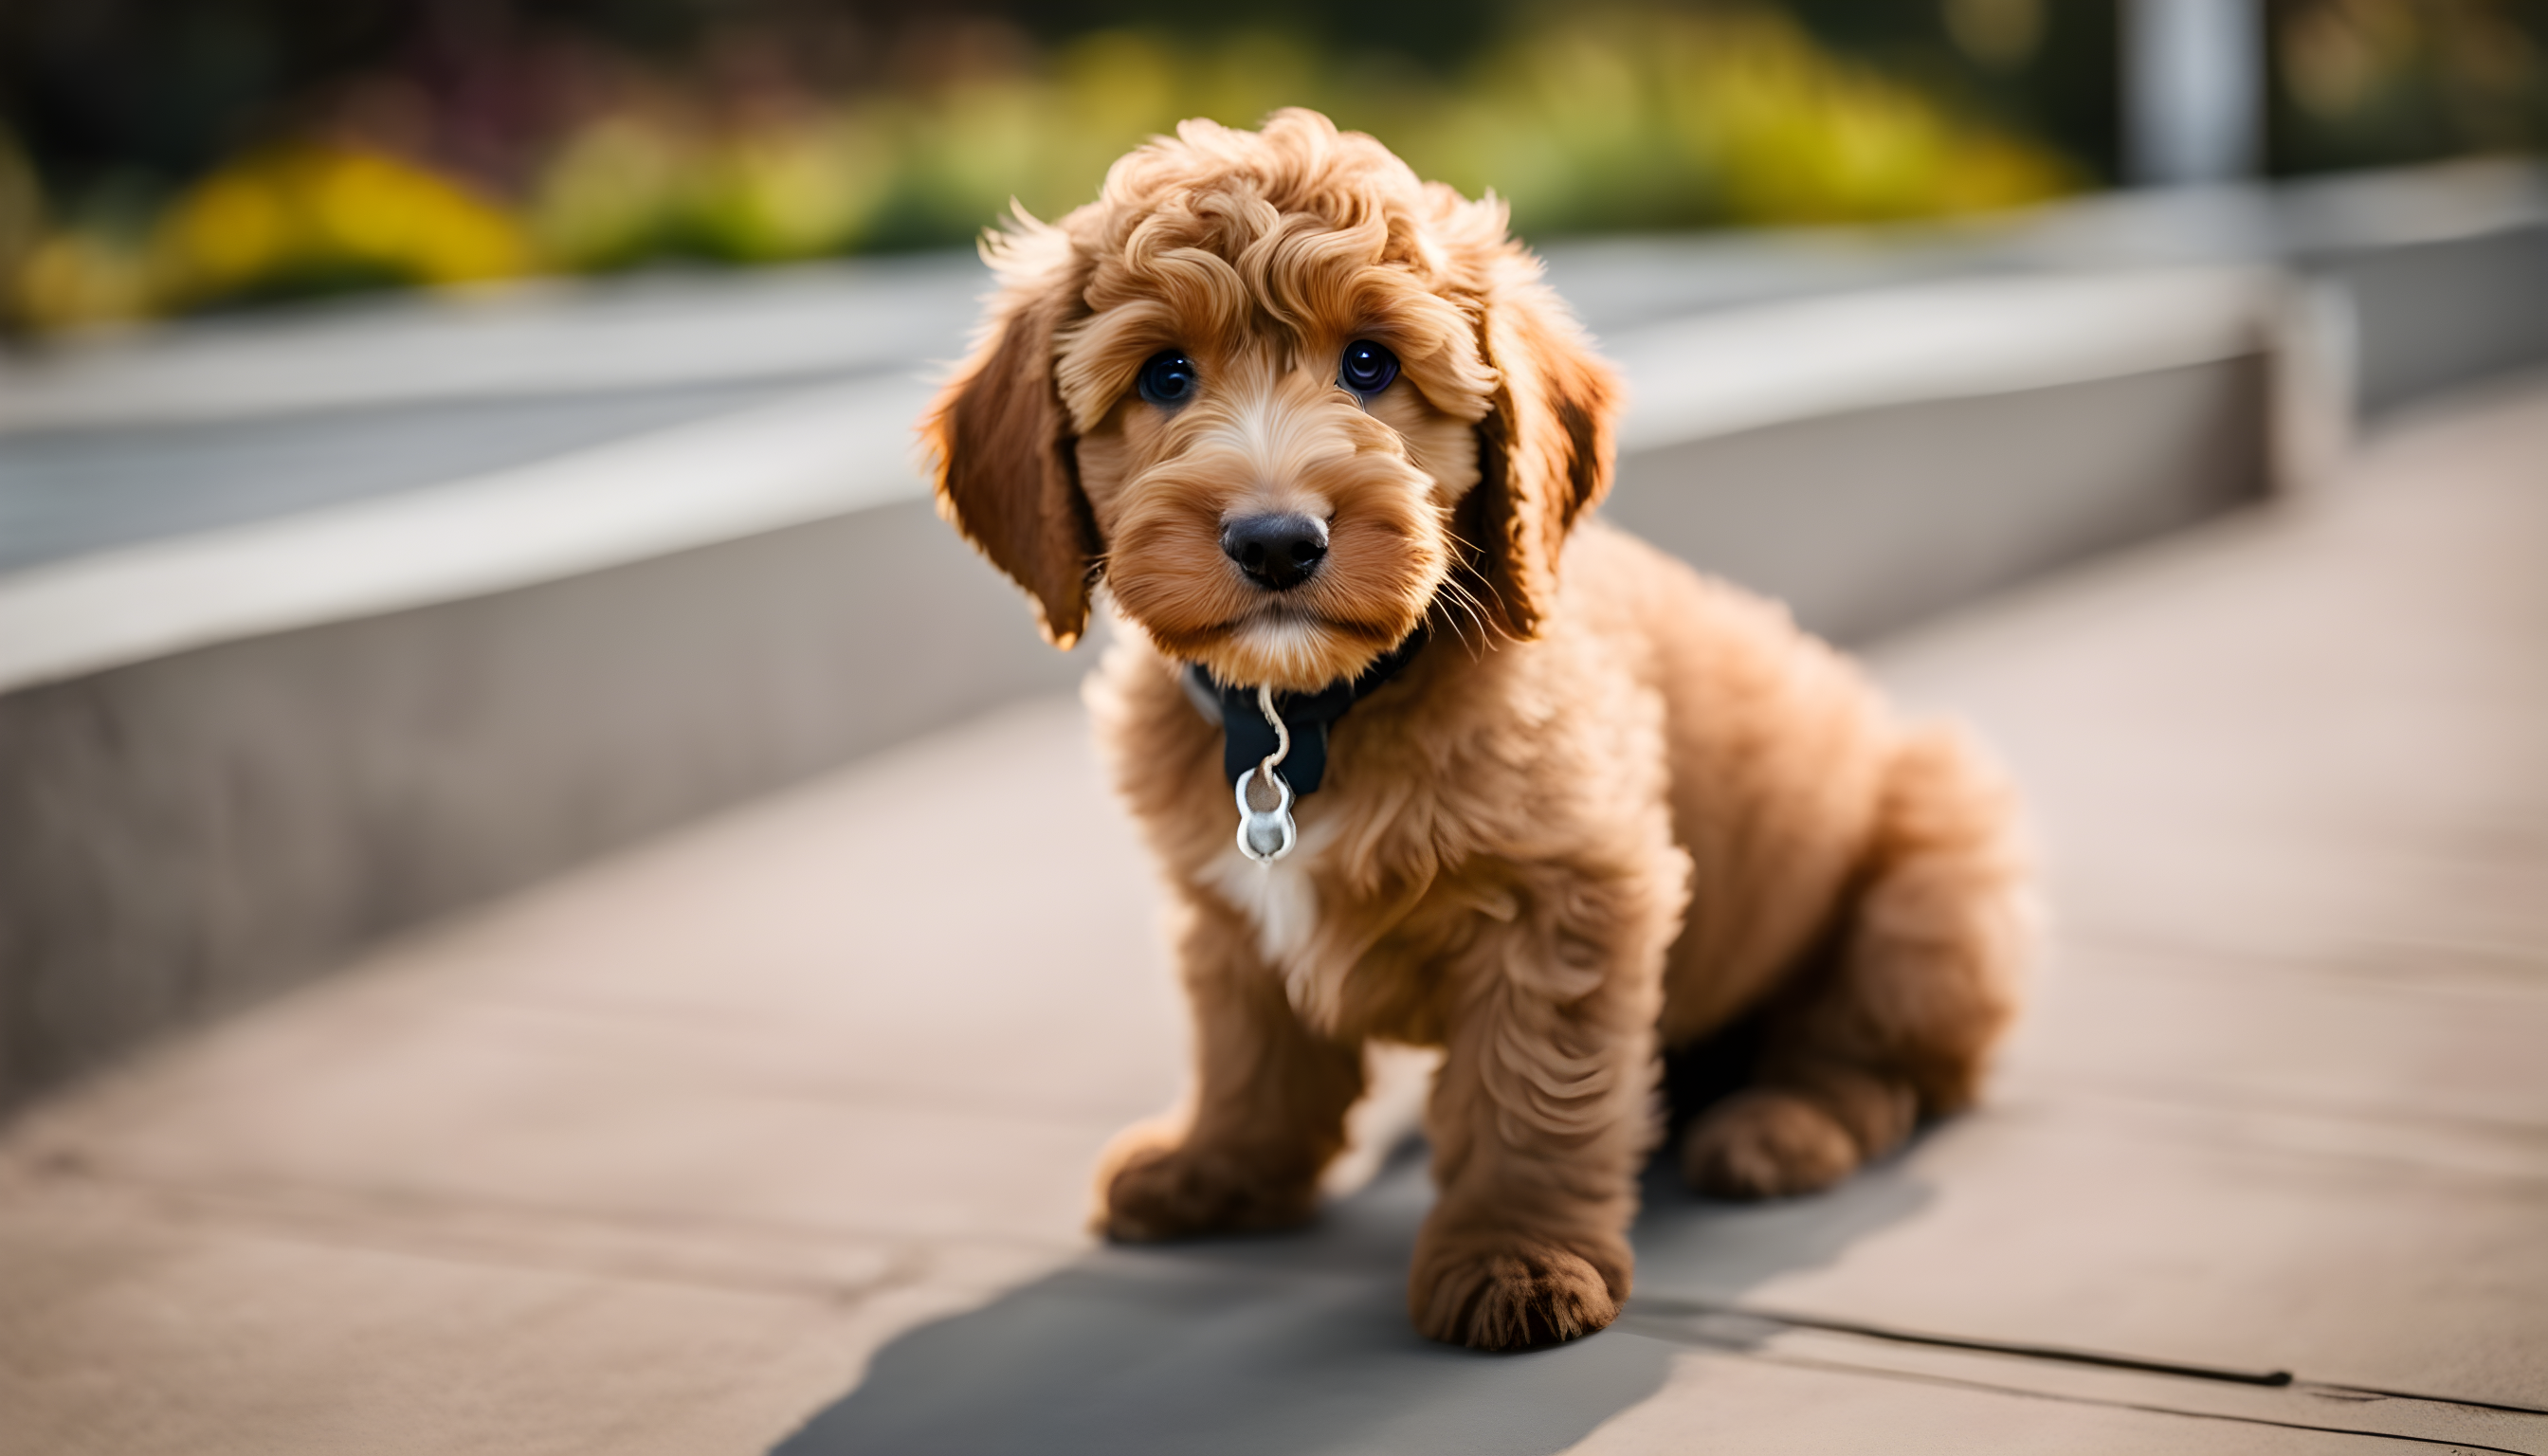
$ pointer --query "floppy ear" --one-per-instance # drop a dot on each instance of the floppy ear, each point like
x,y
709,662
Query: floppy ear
x,y
1007,478
1544,449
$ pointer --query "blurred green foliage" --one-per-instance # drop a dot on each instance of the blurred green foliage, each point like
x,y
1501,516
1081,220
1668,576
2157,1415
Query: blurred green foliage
x,y
585,149
261,148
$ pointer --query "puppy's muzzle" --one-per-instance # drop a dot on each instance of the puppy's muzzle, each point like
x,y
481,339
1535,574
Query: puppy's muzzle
x,y
1277,551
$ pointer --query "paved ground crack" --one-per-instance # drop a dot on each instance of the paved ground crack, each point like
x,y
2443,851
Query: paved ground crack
x,y
1665,1329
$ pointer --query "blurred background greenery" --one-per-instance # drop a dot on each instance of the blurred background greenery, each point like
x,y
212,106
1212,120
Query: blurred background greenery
x,y
159,156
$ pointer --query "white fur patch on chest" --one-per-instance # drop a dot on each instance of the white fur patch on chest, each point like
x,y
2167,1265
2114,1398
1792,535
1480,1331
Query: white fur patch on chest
x,y
1279,901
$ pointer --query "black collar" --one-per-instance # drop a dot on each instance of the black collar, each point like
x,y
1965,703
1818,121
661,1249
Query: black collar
x,y
1246,738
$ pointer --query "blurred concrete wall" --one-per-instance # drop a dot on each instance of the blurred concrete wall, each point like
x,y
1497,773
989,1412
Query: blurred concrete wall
x,y
189,834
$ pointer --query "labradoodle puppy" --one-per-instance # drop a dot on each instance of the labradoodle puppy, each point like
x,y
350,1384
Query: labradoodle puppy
x,y
1539,796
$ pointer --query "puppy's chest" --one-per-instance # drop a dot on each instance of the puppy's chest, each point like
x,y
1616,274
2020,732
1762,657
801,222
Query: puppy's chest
x,y
1342,952
1279,899
1308,924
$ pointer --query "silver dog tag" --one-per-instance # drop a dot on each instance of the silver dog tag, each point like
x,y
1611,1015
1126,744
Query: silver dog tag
x,y
1268,833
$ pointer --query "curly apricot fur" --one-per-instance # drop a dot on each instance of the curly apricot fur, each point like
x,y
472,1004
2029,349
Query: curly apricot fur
x,y
1613,805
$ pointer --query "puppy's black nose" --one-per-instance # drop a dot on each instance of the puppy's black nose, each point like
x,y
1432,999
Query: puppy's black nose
x,y
1278,552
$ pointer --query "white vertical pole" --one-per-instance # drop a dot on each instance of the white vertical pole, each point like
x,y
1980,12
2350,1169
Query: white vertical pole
x,y
2194,82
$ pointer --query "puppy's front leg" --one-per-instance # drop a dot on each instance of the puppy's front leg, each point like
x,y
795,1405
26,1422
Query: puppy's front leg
x,y
1539,1116
1270,1111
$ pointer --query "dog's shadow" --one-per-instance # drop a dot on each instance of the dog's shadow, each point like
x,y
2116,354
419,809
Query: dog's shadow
x,y
1300,1344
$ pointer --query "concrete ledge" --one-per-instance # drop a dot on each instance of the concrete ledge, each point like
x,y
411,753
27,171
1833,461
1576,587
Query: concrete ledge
x,y
544,338
1866,521
814,456
193,832
2438,313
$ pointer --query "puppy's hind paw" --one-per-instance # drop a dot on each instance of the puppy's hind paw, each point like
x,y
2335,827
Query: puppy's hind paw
x,y
1508,1299
1156,1194
1765,1142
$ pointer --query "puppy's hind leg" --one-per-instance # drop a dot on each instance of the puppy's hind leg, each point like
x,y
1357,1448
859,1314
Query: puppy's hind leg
x,y
1922,977
1269,1106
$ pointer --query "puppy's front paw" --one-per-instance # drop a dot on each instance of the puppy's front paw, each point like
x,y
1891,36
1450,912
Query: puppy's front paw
x,y
1508,1298
1159,1193
1765,1142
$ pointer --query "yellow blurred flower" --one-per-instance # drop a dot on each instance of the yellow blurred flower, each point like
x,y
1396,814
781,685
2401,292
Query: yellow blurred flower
x,y
1648,117
229,233
319,216
612,193
75,280
796,190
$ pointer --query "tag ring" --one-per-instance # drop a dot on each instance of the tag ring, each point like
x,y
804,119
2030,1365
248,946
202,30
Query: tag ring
x,y
1277,820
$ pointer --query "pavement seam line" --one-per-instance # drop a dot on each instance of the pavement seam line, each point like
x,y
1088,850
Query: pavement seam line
x,y
1667,1307
2136,1363
1662,1331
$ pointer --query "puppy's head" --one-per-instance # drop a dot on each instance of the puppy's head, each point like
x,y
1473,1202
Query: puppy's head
x,y
1284,399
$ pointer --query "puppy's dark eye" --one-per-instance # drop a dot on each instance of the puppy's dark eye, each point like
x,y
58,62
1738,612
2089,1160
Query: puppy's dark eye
x,y
1367,368
1167,380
